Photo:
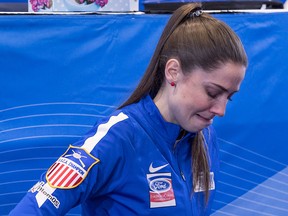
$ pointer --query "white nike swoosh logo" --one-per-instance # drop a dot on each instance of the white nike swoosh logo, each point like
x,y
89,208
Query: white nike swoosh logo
x,y
155,169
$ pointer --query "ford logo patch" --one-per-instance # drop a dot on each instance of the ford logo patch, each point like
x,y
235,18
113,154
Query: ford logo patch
x,y
160,185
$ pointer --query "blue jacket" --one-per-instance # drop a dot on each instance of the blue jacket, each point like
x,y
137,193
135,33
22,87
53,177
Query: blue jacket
x,y
128,164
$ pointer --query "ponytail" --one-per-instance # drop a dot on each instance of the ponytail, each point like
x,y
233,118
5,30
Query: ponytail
x,y
153,77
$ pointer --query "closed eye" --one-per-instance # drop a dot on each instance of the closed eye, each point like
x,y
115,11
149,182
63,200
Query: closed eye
x,y
212,95
216,91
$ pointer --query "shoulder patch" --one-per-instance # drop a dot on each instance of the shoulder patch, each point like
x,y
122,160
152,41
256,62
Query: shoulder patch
x,y
71,168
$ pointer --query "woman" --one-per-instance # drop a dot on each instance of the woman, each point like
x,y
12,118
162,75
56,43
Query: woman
x,y
157,154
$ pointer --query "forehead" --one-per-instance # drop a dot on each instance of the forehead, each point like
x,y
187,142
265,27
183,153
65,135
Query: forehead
x,y
228,75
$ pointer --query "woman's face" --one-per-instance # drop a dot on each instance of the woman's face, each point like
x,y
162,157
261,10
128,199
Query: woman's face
x,y
199,96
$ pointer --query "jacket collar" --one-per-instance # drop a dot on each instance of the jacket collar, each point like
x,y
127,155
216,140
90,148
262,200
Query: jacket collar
x,y
168,131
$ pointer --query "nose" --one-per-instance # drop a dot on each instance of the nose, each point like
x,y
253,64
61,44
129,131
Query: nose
x,y
219,107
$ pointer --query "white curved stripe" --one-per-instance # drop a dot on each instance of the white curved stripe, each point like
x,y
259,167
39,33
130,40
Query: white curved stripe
x,y
13,193
8,204
56,103
255,183
252,162
245,209
254,173
102,130
262,193
25,159
255,202
252,152
46,125
32,148
52,114
18,182
253,192
36,137
14,204
222,213
23,170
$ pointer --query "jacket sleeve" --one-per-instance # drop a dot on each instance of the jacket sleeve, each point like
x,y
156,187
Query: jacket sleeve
x,y
82,171
60,188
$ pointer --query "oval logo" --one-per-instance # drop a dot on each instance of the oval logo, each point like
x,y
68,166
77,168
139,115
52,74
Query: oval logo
x,y
160,185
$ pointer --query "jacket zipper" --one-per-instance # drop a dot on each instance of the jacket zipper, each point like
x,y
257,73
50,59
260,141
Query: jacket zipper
x,y
188,201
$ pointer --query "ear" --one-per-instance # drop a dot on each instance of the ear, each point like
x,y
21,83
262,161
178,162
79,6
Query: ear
x,y
172,70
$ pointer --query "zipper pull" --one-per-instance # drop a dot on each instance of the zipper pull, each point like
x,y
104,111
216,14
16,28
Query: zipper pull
x,y
183,177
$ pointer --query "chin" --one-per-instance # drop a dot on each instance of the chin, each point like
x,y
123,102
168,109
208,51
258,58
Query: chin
x,y
196,129
193,130
196,125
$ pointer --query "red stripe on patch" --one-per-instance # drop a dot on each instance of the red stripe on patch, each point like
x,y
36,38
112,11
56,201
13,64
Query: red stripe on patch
x,y
71,180
59,173
53,167
54,173
66,177
63,172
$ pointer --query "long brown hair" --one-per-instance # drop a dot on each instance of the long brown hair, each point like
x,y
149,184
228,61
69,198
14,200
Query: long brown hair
x,y
196,40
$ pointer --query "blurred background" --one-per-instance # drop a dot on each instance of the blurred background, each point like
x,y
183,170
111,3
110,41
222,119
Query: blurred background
x,y
64,65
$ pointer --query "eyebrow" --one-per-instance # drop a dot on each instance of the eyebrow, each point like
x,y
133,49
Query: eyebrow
x,y
223,89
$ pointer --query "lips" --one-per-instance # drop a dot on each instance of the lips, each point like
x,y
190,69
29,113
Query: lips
x,y
206,119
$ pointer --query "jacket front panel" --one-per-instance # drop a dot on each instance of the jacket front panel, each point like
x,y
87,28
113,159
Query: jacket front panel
x,y
133,168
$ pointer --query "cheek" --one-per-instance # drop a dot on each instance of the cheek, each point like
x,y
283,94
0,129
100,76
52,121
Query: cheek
x,y
189,100
203,101
195,101
181,106
186,106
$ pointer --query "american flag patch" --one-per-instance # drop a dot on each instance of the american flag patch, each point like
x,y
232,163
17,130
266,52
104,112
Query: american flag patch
x,y
71,168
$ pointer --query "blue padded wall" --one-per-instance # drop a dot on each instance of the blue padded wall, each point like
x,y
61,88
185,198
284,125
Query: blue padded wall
x,y
61,73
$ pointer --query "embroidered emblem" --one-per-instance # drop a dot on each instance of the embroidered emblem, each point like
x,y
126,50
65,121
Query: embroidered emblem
x,y
71,168
161,190
200,187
